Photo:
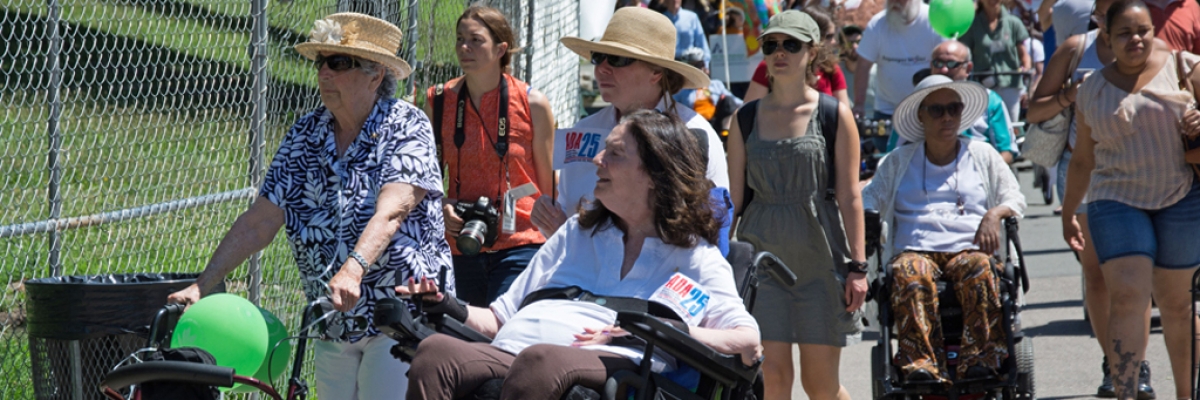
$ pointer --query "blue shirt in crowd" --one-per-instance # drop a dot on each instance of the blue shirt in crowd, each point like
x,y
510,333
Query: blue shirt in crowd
x,y
689,33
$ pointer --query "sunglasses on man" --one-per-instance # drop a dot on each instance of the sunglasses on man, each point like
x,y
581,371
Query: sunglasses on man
x,y
955,109
614,61
790,45
951,64
337,62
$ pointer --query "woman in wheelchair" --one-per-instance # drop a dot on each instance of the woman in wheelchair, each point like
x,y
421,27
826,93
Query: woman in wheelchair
x,y
943,198
648,236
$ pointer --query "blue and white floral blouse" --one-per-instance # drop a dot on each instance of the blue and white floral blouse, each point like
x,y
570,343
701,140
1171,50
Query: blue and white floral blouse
x,y
327,200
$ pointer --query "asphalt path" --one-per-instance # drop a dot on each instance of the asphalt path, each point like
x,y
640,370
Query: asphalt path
x,y
1067,356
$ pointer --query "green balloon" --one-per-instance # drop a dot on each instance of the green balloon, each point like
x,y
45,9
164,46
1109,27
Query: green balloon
x,y
951,18
229,327
271,369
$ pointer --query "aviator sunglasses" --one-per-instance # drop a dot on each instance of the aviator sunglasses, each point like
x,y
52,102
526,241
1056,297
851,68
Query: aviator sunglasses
x,y
337,62
955,109
614,61
939,64
790,45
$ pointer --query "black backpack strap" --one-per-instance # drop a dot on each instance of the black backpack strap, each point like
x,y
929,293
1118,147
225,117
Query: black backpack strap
x,y
745,120
702,139
827,111
439,102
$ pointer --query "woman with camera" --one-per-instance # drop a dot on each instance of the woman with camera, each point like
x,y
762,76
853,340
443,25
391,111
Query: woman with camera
x,y
495,134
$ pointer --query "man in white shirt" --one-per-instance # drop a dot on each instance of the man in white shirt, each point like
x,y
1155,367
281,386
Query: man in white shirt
x,y
898,39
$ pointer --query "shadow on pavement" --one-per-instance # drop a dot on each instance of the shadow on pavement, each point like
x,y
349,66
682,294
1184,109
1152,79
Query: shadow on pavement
x,y
1061,328
1081,396
1053,304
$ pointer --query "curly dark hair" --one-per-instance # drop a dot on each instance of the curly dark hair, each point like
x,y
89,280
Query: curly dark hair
x,y
671,155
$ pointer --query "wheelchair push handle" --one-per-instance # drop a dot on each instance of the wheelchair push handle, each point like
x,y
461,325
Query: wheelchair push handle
x,y
775,267
178,371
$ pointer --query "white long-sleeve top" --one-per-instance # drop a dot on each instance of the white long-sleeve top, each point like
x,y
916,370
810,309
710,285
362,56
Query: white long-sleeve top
x,y
999,183
575,256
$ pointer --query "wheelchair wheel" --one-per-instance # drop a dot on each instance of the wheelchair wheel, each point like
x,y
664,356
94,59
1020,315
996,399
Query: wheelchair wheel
x,y
878,363
1025,383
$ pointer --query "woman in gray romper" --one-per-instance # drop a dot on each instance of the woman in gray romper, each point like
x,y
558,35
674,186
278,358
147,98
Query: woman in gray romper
x,y
783,162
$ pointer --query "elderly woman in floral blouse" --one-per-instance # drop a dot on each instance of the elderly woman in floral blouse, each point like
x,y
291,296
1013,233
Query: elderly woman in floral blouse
x,y
357,186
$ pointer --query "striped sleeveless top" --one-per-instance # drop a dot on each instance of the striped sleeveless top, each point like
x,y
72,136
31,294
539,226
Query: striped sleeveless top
x,y
1139,151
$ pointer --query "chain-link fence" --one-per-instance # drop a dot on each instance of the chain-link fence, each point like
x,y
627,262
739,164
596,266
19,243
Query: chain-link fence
x,y
134,132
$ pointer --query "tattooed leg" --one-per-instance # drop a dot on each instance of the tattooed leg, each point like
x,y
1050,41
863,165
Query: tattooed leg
x,y
1129,280
1125,370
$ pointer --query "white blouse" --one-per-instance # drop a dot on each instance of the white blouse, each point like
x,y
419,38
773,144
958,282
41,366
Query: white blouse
x,y
575,256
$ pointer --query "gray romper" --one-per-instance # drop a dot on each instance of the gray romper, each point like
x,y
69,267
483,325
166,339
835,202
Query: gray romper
x,y
790,217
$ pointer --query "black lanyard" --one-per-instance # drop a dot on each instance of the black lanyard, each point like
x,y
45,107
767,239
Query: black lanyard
x,y
460,136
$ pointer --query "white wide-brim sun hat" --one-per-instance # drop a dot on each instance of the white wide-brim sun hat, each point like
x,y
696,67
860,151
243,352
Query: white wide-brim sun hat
x,y
973,96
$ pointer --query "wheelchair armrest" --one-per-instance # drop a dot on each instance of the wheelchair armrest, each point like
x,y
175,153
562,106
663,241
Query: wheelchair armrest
x,y
775,268
177,371
873,231
1011,226
724,368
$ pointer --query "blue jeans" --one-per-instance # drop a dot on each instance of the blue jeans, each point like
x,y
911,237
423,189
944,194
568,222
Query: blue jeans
x,y
1166,236
481,278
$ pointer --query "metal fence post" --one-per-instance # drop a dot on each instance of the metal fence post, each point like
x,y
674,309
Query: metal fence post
x,y
54,196
258,118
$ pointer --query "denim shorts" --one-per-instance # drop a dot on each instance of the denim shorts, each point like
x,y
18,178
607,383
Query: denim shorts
x,y
1170,237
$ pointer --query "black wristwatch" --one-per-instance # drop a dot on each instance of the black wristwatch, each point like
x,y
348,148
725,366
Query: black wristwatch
x,y
857,266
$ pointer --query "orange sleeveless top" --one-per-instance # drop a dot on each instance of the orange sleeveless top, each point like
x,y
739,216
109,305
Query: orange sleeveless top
x,y
476,168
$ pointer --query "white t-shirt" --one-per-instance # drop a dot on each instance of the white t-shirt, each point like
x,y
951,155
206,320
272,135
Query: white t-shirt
x,y
927,213
899,54
576,257
1071,18
577,181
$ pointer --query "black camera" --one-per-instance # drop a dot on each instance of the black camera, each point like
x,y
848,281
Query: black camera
x,y
480,225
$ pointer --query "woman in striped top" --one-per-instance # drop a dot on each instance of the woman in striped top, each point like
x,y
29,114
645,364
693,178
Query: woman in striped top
x,y
1143,201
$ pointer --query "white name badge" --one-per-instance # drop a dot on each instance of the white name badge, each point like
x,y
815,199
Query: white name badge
x,y
577,145
685,296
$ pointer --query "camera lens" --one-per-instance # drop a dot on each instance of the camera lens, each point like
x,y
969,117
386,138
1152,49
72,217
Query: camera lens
x,y
472,237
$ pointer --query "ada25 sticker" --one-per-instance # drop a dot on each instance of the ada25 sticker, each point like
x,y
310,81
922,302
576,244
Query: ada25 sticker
x,y
685,296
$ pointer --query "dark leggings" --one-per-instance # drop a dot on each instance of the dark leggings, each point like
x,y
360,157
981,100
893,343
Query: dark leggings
x,y
448,368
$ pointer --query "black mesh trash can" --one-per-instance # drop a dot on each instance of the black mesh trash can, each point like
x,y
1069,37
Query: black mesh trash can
x,y
80,327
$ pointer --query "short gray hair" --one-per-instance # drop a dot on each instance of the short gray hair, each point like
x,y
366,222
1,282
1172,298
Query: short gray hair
x,y
387,88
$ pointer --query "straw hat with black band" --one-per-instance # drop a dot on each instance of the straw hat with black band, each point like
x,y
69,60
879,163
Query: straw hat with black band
x,y
908,124
357,35
643,35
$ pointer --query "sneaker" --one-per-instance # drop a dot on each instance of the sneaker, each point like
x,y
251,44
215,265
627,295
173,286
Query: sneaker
x,y
1145,392
1106,390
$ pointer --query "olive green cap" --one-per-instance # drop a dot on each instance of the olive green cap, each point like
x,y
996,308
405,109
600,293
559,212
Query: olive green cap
x,y
793,23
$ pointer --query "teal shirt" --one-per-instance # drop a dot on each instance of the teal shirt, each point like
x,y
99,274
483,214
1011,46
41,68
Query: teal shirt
x,y
996,51
992,127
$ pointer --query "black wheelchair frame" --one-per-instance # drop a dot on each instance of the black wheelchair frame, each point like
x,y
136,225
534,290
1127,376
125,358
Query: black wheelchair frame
x,y
722,376
210,375
1016,379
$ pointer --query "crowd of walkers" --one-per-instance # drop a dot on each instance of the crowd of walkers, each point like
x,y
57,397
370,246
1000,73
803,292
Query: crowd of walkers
x,y
380,198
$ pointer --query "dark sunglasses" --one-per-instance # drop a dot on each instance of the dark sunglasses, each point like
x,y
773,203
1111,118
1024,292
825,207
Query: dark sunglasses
x,y
337,62
791,46
614,61
939,64
955,109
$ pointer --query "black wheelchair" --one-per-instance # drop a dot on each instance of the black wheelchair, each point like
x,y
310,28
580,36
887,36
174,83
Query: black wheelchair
x,y
1015,379
158,372
721,376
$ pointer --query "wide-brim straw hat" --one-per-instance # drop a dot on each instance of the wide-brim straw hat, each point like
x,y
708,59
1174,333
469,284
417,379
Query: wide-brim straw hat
x,y
360,36
973,96
641,34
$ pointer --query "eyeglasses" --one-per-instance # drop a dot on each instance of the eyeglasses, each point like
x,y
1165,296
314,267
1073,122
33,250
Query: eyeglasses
x,y
337,62
791,46
939,64
955,109
614,61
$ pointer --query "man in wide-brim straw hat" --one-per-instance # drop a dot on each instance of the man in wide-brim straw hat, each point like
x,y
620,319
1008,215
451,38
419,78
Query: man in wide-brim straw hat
x,y
636,69
357,186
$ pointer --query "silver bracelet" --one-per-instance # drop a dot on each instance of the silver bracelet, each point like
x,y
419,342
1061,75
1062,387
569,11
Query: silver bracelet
x,y
362,261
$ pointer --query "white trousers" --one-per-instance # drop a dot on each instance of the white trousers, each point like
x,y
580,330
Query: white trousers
x,y
362,370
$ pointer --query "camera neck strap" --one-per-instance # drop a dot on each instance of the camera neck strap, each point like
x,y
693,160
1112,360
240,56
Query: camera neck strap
x,y
460,135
